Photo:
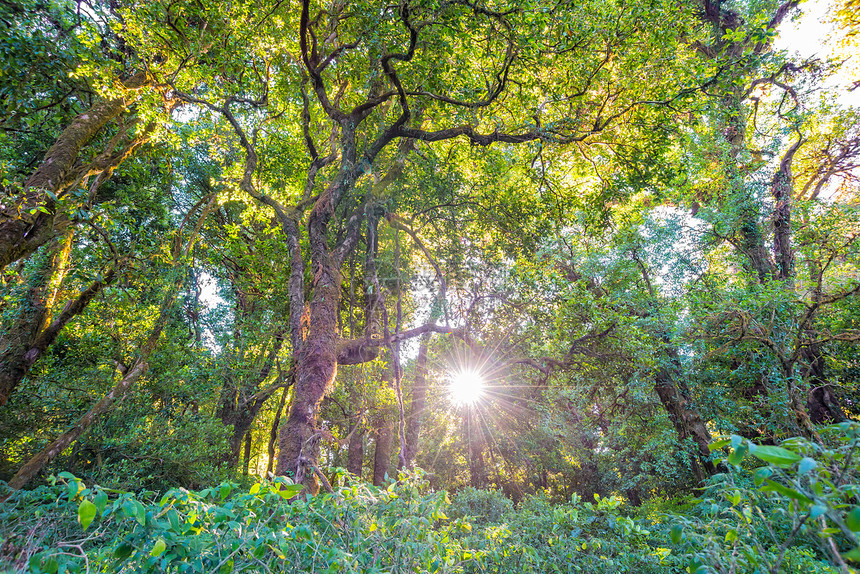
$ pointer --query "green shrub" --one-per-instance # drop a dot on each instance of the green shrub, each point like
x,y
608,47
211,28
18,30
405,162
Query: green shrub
x,y
482,506
787,508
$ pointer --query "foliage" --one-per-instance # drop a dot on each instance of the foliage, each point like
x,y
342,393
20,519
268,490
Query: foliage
x,y
796,512
358,528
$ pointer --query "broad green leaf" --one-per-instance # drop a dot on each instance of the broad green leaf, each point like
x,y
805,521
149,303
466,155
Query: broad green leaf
x,y
134,509
771,486
719,444
737,455
288,491
159,547
761,474
852,519
173,520
676,533
86,513
776,455
123,551
100,500
806,464
817,510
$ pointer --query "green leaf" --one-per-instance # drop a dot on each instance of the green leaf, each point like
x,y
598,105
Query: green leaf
x,y
776,455
173,520
771,486
737,455
75,487
853,555
676,533
160,546
123,551
288,491
100,500
761,474
86,513
134,509
255,489
719,444
817,510
852,519
806,464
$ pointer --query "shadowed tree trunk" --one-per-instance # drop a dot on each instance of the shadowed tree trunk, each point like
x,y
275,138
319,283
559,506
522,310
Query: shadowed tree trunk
x,y
35,330
247,465
685,418
475,439
355,448
355,453
273,432
241,402
35,465
382,452
418,403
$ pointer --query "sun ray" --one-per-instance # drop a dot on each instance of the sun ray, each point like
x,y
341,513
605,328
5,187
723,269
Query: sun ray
x,y
466,386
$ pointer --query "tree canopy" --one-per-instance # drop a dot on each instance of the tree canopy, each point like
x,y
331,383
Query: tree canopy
x,y
532,246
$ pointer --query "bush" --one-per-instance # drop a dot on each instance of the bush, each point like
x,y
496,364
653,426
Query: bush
x,y
482,506
797,512
68,527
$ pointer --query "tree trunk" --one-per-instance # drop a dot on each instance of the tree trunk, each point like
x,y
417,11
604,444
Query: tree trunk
x,y
17,365
22,232
474,436
355,450
685,418
821,402
355,453
38,462
382,453
824,406
418,403
316,363
781,191
273,432
247,465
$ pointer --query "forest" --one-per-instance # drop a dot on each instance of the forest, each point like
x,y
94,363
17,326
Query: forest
x,y
442,286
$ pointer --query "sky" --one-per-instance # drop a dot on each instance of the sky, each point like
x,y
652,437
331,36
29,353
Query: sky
x,y
812,35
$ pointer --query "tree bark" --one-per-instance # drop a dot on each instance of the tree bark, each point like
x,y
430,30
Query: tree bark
x,y
38,462
382,452
316,363
781,190
273,432
474,436
247,465
821,402
418,404
355,453
22,232
685,418
17,365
